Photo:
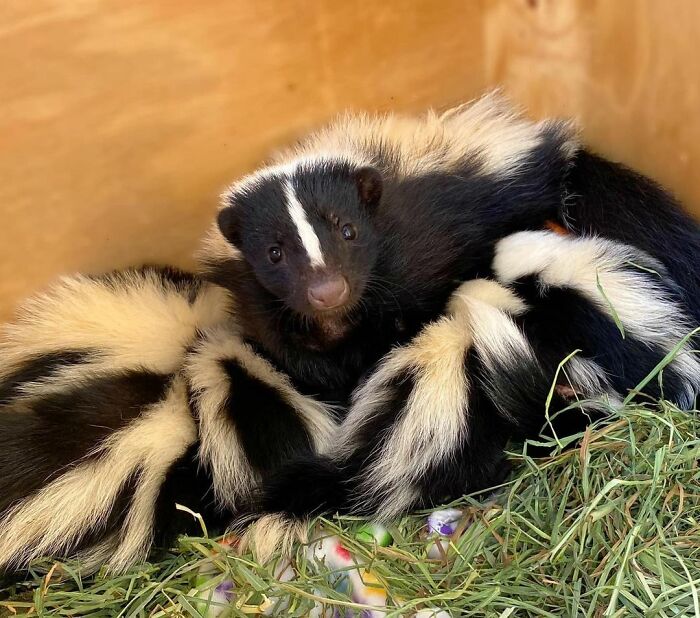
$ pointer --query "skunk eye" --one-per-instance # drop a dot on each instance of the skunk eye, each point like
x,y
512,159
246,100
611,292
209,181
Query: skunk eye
x,y
349,232
274,254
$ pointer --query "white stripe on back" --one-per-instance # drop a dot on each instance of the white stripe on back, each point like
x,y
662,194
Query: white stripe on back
x,y
306,232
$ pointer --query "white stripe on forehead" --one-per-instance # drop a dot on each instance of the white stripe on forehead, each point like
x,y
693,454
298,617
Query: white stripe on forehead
x,y
305,230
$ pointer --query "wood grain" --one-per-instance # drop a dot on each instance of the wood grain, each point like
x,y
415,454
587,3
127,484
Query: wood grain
x,y
120,122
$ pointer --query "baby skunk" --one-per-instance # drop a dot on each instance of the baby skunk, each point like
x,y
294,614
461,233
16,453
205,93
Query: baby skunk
x,y
356,237
432,421
123,395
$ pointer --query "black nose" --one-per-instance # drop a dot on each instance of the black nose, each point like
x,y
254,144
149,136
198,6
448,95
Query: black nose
x,y
329,293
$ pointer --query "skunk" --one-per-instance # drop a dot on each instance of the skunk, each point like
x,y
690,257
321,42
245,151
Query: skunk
x,y
353,239
115,406
567,329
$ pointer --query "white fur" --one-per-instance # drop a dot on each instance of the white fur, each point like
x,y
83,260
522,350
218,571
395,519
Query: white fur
x,y
590,265
215,249
435,420
274,533
132,320
305,231
285,169
220,448
489,131
434,423
487,304
486,291
497,338
500,343
587,377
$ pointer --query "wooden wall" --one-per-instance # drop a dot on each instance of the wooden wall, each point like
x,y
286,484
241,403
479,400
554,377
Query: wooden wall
x,y
121,121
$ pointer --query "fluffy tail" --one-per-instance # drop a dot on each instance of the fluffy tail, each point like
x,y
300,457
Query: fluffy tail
x,y
93,413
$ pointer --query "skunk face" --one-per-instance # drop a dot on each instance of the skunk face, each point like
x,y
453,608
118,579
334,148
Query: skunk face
x,y
306,231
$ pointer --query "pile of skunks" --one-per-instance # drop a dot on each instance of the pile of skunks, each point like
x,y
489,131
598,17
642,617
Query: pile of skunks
x,y
378,312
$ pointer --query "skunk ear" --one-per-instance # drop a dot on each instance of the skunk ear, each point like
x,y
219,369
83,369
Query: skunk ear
x,y
369,185
228,222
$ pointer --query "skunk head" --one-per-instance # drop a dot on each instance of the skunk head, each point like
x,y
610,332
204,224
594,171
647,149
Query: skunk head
x,y
306,231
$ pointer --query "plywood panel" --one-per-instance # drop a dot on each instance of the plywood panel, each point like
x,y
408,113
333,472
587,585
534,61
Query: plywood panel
x,y
120,122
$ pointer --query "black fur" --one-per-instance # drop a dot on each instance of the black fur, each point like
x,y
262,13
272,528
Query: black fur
x,y
116,516
427,233
423,235
38,368
306,486
613,201
270,430
418,237
189,484
51,423
42,436
561,320
299,347
312,486
479,462
331,489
